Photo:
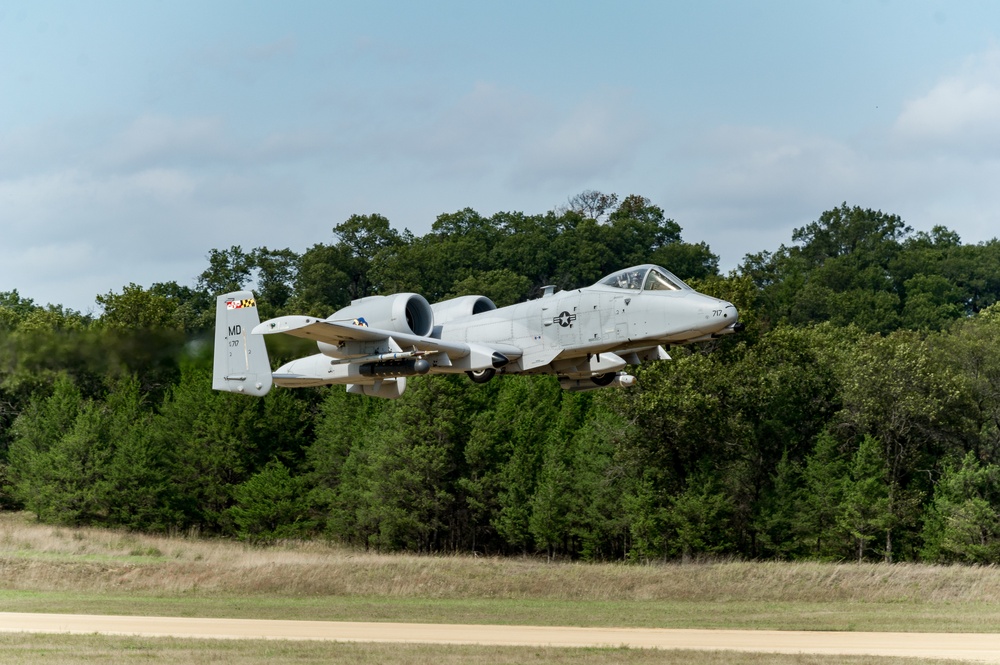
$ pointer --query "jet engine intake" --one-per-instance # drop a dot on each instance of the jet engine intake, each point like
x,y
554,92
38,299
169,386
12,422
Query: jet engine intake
x,y
403,313
457,308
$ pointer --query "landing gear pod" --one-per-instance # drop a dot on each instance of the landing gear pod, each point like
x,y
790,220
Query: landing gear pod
x,y
384,388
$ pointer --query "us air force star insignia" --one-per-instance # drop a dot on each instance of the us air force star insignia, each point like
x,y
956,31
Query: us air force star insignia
x,y
565,319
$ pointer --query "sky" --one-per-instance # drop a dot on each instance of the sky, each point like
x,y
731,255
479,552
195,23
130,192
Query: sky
x,y
137,135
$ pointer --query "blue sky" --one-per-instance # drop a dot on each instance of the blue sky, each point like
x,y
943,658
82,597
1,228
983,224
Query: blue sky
x,y
136,136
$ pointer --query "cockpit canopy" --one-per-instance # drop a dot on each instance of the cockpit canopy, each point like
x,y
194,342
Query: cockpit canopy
x,y
646,278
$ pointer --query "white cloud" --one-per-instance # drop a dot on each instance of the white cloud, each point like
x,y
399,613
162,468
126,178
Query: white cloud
x,y
90,205
72,233
743,189
158,139
753,166
278,48
240,60
471,137
961,113
501,134
53,272
595,140
75,203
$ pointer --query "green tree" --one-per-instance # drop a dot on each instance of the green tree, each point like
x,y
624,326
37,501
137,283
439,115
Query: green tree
x,y
270,505
13,309
865,510
839,271
698,519
635,231
504,455
142,332
778,517
49,342
193,310
951,277
504,287
679,411
411,469
600,528
337,461
932,302
458,246
276,274
82,461
137,309
870,237
687,260
137,492
580,251
551,504
228,270
962,523
970,351
558,497
324,280
364,241
779,394
219,440
37,431
525,246
817,518
642,506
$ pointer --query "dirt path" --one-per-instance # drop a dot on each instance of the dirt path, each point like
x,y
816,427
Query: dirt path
x,y
970,647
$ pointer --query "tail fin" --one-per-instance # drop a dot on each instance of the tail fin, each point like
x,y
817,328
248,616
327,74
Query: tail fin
x,y
241,363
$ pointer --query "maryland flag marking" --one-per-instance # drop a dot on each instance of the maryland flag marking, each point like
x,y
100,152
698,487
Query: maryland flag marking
x,y
240,304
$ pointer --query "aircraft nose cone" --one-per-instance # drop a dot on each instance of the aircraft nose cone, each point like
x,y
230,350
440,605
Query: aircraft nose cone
x,y
732,318
730,313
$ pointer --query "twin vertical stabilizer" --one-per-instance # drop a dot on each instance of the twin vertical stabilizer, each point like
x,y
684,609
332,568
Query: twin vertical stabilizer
x,y
241,363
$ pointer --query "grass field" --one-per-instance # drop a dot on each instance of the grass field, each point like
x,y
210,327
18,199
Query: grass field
x,y
49,569
73,650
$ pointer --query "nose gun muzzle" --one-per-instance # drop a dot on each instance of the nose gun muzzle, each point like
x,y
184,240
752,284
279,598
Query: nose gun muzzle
x,y
735,326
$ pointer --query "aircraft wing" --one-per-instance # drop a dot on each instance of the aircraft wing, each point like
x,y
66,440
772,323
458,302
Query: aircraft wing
x,y
336,332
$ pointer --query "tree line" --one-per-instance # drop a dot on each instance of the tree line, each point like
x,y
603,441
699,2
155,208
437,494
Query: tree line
x,y
857,417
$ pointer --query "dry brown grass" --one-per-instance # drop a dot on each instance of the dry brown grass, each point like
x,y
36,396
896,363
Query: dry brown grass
x,y
75,649
37,557
51,569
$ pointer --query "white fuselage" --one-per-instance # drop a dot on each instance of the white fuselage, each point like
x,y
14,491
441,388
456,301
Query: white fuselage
x,y
591,321
585,336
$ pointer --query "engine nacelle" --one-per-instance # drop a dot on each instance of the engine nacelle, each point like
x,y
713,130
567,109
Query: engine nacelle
x,y
402,312
457,308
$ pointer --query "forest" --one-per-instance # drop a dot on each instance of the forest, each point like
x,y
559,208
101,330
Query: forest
x,y
857,417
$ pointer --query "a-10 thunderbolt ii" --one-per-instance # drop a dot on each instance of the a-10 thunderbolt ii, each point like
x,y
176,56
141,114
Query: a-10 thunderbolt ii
x,y
584,336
